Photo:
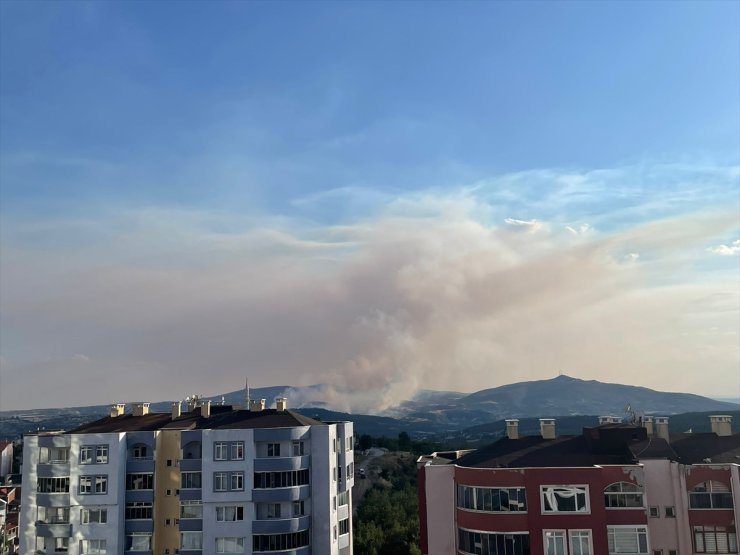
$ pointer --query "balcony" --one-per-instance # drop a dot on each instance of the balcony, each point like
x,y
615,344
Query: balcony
x,y
277,464
60,530
140,465
280,525
275,495
53,469
190,465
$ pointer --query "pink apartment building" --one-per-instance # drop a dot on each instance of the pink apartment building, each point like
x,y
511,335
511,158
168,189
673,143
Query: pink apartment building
x,y
615,489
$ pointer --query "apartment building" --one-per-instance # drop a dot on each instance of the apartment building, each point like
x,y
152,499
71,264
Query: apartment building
x,y
206,479
617,488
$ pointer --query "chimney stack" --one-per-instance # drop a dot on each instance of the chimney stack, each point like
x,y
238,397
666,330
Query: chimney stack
x,y
140,409
512,428
176,410
281,404
547,428
647,423
256,405
721,424
661,428
205,409
117,410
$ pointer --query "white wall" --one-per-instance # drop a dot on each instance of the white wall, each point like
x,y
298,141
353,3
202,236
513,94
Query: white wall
x,y
440,508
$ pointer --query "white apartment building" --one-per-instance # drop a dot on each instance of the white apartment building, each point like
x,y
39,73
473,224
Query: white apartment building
x,y
210,479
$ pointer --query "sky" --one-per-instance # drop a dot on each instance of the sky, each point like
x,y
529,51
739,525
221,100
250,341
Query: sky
x,y
376,196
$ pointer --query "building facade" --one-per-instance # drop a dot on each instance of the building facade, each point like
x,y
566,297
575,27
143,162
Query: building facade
x,y
615,489
210,479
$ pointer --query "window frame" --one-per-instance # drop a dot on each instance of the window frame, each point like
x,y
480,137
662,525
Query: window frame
x,y
220,450
588,535
587,498
625,495
711,494
636,528
555,533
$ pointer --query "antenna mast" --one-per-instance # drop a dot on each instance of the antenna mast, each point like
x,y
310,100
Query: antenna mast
x,y
247,390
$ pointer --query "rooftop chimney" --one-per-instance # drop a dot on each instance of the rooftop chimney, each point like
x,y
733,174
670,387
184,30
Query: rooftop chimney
x,y
257,405
547,428
205,409
176,410
647,423
281,404
721,424
512,428
117,410
661,428
140,409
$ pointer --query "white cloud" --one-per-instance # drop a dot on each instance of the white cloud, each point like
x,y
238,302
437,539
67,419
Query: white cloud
x,y
530,225
726,250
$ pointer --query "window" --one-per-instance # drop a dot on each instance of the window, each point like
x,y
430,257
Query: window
x,y
343,497
350,470
229,513
94,454
53,485
657,552
101,484
138,511
554,542
673,552
492,499
710,495
298,449
94,516
191,509
220,481
715,539
229,545
286,479
220,451
237,451
299,508
92,547
61,545
273,510
334,473
191,540
86,454
139,481
580,542
627,539
344,526
273,449
53,455
138,541
53,515
86,484
670,512
623,495
190,480
280,542
501,543
564,499
101,454
349,443
237,481
139,452
654,512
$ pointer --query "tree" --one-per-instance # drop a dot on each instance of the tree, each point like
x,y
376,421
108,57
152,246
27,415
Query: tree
x,y
365,442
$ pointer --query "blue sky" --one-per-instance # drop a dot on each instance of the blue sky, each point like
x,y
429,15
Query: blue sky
x,y
151,143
